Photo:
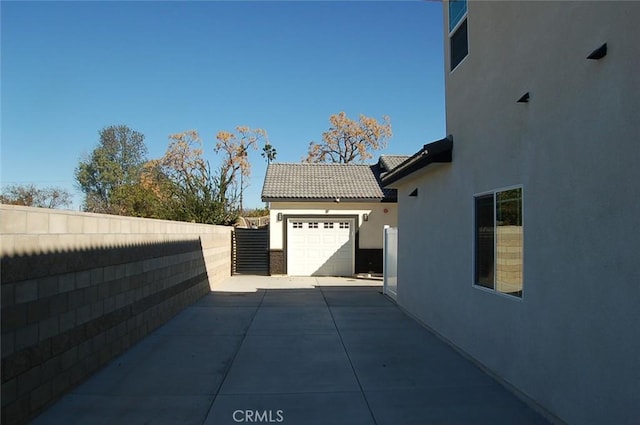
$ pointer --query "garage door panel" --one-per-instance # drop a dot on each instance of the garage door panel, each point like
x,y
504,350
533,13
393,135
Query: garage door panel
x,y
328,239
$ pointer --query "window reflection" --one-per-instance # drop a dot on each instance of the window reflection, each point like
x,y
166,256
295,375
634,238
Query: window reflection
x,y
499,241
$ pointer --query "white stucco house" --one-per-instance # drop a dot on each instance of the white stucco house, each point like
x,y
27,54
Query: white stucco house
x,y
328,219
519,234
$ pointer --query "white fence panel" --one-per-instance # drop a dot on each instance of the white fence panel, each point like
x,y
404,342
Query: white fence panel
x,y
391,261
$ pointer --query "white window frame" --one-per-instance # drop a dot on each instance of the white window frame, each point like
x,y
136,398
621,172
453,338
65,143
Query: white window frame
x,y
495,257
462,19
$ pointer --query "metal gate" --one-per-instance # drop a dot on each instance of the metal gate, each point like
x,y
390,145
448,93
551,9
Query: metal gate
x,y
250,251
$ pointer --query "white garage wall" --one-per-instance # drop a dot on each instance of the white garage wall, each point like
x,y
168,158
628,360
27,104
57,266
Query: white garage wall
x,y
370,232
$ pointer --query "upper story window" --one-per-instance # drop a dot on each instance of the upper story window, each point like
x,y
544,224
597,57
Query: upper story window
x,y
457,11
458,35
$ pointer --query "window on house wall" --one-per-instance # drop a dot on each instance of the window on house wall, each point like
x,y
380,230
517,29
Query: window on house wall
x,y
499,241
458,34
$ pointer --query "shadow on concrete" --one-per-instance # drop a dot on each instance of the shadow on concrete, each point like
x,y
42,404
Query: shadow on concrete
x,y
66,313
321,351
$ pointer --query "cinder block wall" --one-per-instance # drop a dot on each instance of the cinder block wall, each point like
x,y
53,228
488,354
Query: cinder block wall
x,y
78,289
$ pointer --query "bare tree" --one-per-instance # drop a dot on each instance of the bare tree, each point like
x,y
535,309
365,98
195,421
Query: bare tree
x,y
31,196
234,147
350,141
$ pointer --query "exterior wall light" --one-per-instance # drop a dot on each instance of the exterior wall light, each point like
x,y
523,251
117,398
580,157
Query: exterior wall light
x,y
365,217
279,216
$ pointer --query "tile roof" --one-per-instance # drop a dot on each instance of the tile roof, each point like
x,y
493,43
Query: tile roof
x,y
316,182
389,162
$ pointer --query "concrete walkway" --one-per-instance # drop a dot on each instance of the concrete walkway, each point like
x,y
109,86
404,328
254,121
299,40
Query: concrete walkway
x,y
324,351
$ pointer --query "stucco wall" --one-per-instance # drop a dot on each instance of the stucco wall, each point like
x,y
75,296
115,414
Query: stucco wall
x,y
78,289
370,232
571,343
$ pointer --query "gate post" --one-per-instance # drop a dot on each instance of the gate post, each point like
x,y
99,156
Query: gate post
x,y
390,261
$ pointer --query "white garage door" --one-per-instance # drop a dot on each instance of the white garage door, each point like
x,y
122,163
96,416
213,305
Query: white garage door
x,y
320,247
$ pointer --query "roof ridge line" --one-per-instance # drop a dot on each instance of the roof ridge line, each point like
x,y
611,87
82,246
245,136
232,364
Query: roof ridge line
x,y
321,163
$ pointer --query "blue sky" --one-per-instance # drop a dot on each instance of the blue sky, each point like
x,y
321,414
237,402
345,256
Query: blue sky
x,y
70,69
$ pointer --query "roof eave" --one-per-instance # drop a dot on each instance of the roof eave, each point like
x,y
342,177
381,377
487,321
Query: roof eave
x,y
438,151
337,199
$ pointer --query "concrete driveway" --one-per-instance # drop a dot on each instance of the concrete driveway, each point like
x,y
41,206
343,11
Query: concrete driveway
x,y
293,351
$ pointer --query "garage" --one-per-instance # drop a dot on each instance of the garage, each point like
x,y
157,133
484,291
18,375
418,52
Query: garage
x,y
320,246
307,203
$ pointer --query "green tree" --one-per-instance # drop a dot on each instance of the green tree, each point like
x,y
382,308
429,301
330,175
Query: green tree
x,y
114,165
256,212
350,141
269,153
189,190
31,196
